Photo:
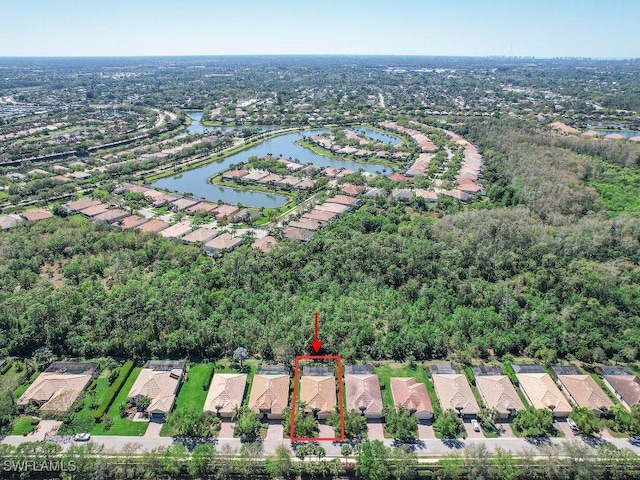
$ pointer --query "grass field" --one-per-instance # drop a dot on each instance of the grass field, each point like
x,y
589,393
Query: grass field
x,y
22,425
191,393
83,420
121,426
618,189
385,373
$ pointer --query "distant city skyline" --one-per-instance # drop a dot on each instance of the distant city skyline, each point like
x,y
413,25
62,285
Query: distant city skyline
x,y
542,29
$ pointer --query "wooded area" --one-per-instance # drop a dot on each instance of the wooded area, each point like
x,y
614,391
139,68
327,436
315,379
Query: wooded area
x,y
541,268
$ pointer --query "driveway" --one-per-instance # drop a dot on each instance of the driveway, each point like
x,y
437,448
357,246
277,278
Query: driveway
x,y
375,430
275,432
471,433
425,430
505,430
564,427
226,429
153,430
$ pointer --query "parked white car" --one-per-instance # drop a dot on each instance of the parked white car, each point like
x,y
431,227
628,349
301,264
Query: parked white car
x,y
82,437
572,424
476,425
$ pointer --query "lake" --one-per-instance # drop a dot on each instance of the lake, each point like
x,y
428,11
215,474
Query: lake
x,y
383,137
196,181
196,126
624,133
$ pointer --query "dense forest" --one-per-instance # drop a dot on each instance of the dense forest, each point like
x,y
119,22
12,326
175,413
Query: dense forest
x,y
542,267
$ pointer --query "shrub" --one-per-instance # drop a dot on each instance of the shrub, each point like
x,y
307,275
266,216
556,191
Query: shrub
x,y
113,391
6,367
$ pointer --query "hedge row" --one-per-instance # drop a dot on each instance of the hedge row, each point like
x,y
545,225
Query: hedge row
x,y
113,391
207,382
6,367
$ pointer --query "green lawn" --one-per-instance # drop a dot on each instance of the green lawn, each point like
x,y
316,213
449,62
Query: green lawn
x,y
191,393
83,420
385,372
22,425
122,426
618,189
23,387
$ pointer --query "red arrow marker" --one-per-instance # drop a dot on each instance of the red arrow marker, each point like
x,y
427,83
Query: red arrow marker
x,y
316,344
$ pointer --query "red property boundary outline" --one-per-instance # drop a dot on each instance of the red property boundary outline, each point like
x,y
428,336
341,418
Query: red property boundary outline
x,y
295,396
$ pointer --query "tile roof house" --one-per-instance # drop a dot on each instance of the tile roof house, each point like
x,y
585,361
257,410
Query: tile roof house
x,y
204,207
132,221
585,392
81,204
111,216
343,200
225,211
455,394
321,215
177,230
225,394
9,221
318,392
269,395
624,385
94,210
542,392
58,387
200,235
308,224
224,241
264,244
354,189
153,225
182,204
159,381
294,233
332,207
497,392
363,394
36,215
413,396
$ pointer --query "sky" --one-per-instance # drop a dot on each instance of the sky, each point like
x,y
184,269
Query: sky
x,y
539,28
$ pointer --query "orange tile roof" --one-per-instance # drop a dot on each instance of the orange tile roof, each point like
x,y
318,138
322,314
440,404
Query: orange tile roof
x,y
225,393
410,394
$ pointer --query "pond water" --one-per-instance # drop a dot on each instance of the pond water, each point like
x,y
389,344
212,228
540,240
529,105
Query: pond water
x,y
383,137
196,126
196,181
625,133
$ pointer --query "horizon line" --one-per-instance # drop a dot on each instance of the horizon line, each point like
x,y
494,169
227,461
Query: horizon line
x,y
374,55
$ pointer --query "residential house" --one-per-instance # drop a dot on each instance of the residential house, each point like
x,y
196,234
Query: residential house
x,y
36,214
540,389
224,241
55,389
363,391
413,396
582,389
454,391
497,392
270,392
158,381
226,393
201,235
624,384
318,391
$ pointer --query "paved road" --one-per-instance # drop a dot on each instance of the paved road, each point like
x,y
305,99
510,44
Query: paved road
x,y
426,447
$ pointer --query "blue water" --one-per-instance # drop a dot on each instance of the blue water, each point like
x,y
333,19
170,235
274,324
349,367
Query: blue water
x,y
383,137
196,181
196,126
626,133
